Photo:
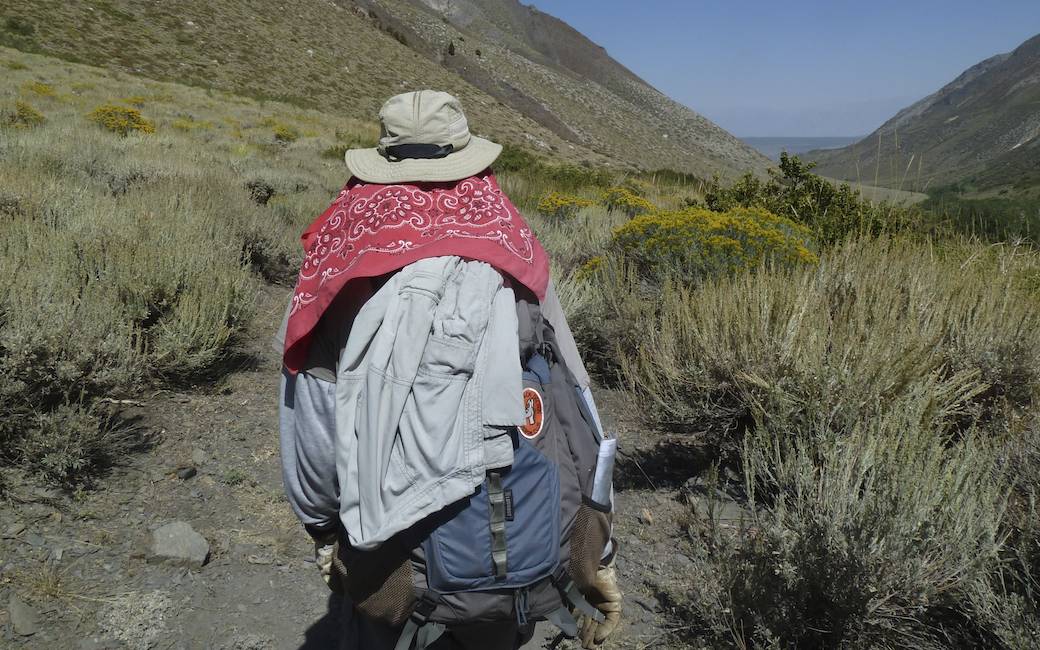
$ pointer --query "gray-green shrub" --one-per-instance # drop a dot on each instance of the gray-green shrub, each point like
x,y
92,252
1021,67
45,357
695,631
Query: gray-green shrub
x,y
834,346
888,536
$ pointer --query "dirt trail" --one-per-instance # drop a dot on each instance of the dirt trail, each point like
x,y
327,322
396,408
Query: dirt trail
x,y
75,569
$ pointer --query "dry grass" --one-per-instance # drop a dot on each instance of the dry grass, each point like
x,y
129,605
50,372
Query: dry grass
x,y
841,343
135,259
311,53
880,409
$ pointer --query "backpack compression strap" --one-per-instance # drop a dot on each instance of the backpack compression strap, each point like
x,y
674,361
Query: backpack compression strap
x,y
562,617
419,628
496,497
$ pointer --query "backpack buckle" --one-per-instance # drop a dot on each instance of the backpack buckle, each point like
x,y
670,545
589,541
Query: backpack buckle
x,y
545,349
422,610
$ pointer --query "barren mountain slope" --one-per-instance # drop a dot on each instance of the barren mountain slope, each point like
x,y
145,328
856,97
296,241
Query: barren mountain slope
x,y
311,53
551,72
981,130
536,82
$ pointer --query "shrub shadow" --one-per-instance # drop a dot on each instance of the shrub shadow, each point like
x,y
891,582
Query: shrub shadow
x,y
669,463
236,360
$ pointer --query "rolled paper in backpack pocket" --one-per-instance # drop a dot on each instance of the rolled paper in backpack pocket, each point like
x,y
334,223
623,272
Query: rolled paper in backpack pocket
x,y
604,478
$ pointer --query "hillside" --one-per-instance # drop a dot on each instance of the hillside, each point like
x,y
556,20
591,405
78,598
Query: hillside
x,y
980,131
535,82
543,67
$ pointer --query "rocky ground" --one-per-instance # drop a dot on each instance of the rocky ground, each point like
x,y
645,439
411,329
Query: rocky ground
x,y
191,544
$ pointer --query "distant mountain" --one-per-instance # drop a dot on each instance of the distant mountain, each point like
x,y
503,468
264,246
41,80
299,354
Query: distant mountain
x,y
980,132
553,74
525,77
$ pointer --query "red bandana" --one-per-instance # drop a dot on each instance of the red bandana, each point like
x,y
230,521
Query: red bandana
x,y
372,229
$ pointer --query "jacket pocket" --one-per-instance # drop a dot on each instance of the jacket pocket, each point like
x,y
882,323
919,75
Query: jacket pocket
x,y
431,445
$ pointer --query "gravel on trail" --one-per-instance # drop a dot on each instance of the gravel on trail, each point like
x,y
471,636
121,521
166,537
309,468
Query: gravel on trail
x,y
155,556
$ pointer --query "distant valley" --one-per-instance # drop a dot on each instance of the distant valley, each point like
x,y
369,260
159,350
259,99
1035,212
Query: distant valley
x,y
772,147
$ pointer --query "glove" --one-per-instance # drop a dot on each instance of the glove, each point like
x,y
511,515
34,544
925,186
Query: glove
x,y
324,550
323,558
606,597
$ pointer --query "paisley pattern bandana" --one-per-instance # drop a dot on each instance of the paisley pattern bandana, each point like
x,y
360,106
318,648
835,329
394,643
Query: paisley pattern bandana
x,y
372,229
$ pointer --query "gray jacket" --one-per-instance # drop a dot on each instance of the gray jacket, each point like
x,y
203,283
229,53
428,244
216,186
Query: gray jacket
x,y
392,421
427,387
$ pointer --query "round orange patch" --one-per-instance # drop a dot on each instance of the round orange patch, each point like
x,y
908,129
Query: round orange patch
x,y
534,414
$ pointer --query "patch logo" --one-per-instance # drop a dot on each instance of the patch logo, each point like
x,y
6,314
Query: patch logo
x,y
534,414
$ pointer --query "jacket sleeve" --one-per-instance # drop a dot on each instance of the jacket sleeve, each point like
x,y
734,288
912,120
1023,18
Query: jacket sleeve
x,y
307,422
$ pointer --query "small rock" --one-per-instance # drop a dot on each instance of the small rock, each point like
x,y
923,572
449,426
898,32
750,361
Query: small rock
x,y
199,456
646,518
186,472
23,617
14,530
35,540
178,543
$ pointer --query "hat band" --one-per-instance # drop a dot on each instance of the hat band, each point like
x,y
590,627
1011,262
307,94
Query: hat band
x,y
402,151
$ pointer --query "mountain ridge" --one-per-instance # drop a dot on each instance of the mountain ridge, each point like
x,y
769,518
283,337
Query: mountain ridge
x,y
980,132
554,74
556,92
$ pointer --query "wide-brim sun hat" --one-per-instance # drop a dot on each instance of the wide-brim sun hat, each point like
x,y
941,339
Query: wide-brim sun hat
x,y
424,137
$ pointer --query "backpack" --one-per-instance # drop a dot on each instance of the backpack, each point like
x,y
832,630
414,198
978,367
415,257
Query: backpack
x,y
523,546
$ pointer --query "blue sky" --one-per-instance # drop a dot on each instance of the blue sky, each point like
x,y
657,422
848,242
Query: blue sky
x,y
800,67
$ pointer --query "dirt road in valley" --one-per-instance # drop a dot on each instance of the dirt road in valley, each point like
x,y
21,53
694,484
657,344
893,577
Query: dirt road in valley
x,y
78,571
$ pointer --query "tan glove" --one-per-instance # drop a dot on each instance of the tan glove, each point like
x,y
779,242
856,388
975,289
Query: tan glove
x,y
324,550
323,558
606,597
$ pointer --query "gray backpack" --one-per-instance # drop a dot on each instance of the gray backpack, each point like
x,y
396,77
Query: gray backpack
x,y
525,545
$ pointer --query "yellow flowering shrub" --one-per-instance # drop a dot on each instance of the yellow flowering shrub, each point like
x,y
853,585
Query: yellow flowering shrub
x,y
623,199
24,116
120,119
556,205
39,88
591,267
696,243
285,134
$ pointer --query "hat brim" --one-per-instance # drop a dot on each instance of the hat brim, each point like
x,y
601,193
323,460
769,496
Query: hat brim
x,y
370,166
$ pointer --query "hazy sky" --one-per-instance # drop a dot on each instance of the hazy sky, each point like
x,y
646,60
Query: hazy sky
x,y
800,67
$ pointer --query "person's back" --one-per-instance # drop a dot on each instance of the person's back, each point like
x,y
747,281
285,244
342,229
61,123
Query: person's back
x,y
435,413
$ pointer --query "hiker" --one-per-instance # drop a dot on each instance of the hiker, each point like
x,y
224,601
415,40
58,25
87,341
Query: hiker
x,y
439,439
